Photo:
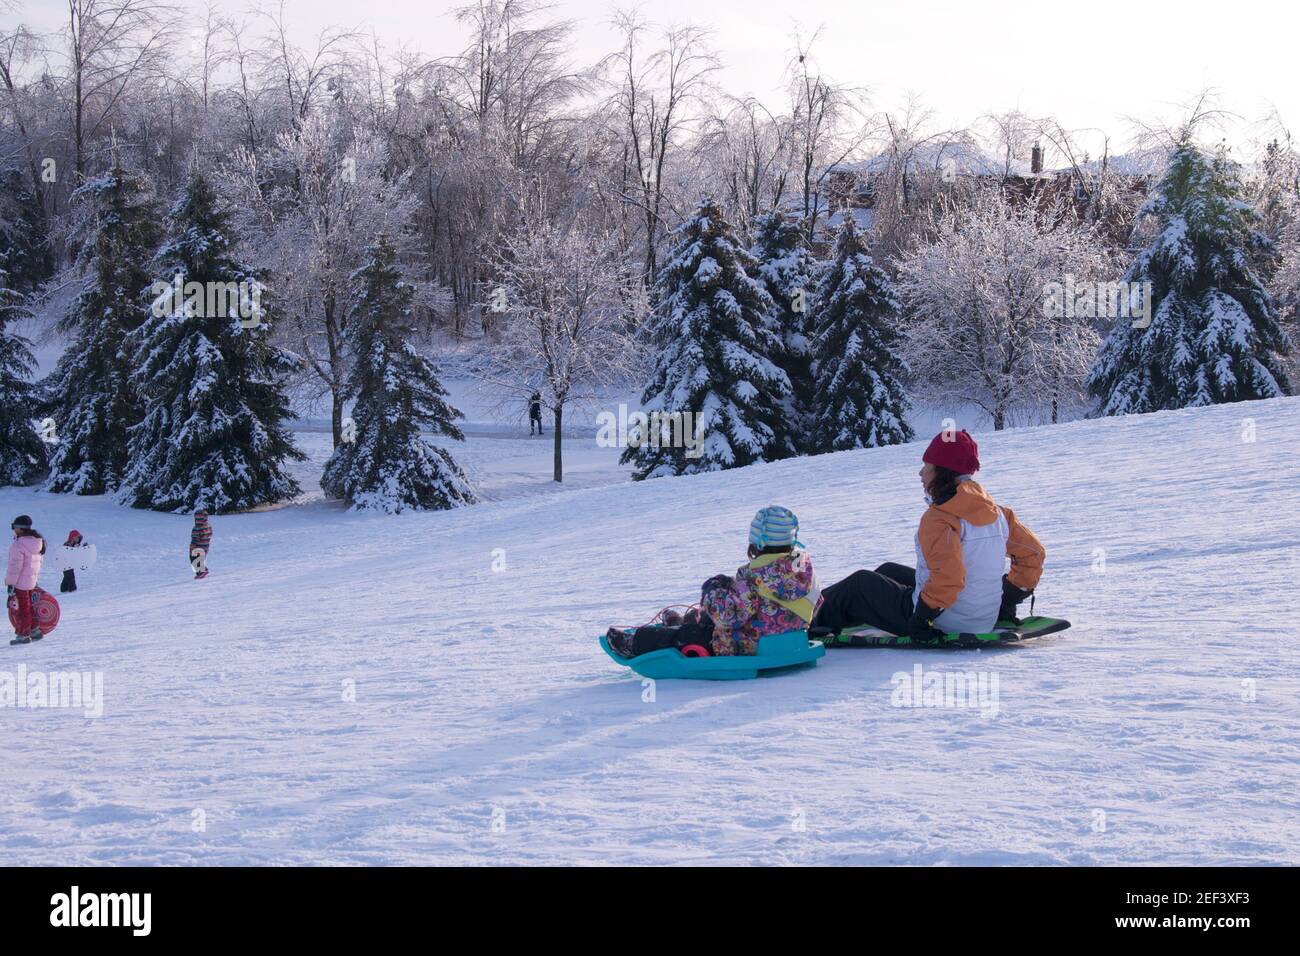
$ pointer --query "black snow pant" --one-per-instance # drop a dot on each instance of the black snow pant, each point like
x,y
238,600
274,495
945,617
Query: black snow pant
x,y
69,581
535,421
654,638
881,598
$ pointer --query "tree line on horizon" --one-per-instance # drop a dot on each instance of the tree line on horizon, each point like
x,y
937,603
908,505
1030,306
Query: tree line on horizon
x,y
567,229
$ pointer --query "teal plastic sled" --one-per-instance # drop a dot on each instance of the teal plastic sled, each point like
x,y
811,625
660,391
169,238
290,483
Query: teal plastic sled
x,y
776,652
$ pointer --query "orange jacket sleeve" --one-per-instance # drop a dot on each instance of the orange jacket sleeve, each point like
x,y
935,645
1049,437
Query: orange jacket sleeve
x,y
1026,552
940,537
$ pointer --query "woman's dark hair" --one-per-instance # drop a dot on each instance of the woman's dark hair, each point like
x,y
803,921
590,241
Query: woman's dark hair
x,y
943,485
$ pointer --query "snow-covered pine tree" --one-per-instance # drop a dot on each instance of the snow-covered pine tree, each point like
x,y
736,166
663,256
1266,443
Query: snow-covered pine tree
x,y
389,466
1214,334
788,270
716,358
25,253
91,395
22,453
25,262
860,399
213,433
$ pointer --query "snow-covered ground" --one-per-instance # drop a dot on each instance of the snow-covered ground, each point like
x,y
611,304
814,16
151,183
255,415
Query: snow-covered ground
x,y
364,689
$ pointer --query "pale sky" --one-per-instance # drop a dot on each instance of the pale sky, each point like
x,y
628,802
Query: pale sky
x,y
1091,65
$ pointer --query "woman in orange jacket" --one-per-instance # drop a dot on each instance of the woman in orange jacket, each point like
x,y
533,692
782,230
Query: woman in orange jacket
x,y
961,581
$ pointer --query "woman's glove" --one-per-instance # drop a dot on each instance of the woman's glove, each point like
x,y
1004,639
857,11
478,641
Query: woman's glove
x,y
1012,596
921,628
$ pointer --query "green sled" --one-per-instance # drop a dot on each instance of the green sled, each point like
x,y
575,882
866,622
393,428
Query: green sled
x,y
776,653
1006,632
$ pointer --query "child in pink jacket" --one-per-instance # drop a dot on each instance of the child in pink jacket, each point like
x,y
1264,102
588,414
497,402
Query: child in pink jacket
x,y
26,553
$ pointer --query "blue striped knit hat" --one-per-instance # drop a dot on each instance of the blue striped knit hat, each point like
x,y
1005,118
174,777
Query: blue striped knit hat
x,y
774,526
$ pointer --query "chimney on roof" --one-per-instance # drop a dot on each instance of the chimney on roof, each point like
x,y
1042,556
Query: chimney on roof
x,y
1036,159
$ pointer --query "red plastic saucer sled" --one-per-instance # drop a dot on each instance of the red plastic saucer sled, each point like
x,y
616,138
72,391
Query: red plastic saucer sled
x,y
45,608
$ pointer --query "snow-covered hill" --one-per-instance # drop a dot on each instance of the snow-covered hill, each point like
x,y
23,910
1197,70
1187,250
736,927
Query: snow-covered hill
x,y
360,689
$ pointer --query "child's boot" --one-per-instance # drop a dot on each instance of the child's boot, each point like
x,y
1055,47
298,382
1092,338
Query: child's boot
x,y
620,641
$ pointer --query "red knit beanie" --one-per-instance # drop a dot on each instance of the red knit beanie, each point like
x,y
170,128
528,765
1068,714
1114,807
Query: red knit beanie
x,y
956,451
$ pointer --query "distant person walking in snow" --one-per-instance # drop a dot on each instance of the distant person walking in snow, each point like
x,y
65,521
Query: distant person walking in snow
x,y
200,543
26,552
535,413
962,547
69,575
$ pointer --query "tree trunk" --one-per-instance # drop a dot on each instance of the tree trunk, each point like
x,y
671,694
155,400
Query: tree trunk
x,y
999,413
334,344
336,415
78,161
559,464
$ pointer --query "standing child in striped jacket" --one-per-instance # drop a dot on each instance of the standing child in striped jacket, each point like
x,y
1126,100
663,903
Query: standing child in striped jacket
x,y
200,543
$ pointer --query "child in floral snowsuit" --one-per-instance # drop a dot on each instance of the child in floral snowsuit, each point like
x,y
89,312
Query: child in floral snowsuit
x,y
776,591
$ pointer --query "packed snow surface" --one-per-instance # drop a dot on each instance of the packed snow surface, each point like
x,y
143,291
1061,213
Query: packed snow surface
x,y
360,689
